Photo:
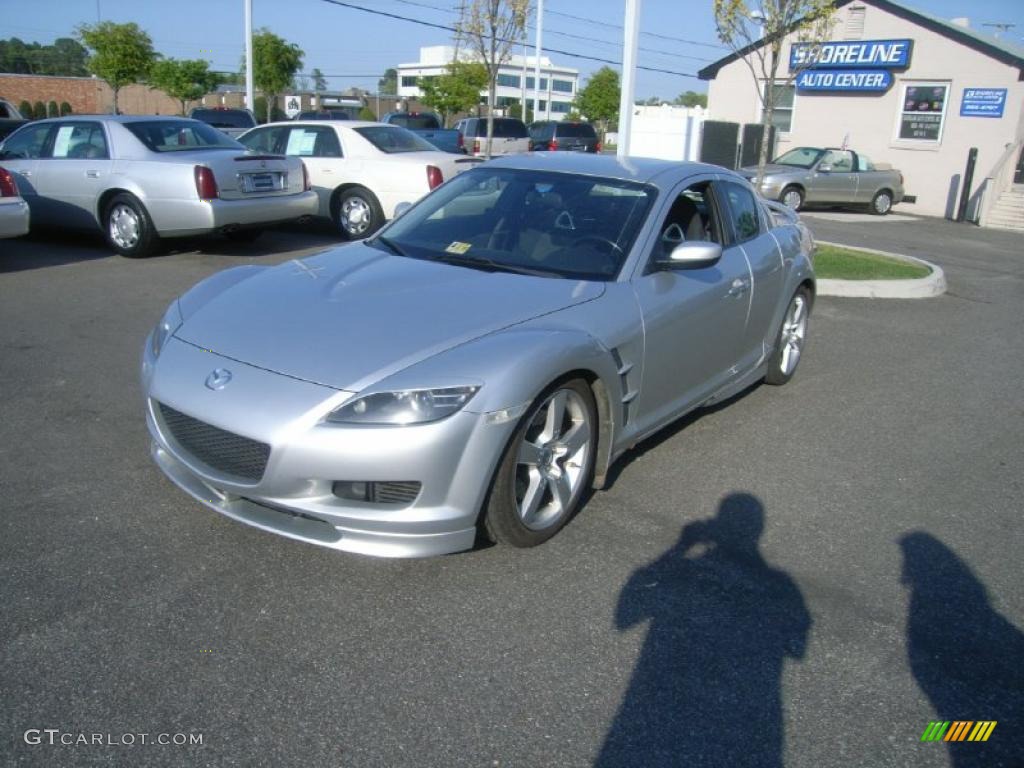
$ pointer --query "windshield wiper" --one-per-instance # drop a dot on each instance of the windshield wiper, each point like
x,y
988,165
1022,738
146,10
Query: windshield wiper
x,y
390,244
482,262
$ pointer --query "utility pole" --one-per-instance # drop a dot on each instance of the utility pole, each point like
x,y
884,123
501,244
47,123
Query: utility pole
x,y
250,97
536,64
629,46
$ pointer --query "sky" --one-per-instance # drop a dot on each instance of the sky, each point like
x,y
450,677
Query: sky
x,y
354,47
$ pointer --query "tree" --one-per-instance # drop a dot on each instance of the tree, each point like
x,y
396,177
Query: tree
x,y
319,81
389,83
599,98
515,109
491,28
457,90
367,114
183,79
756,33
121,53
274,64
691,99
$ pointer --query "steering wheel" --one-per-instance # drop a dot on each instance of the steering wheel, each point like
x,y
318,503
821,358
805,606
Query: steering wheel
x,y
612,245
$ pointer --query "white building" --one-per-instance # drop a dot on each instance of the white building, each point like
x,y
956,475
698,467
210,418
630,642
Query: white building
x,y
904,88
558,85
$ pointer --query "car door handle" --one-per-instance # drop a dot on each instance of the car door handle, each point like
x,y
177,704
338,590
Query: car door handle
x,y
92,174
738,288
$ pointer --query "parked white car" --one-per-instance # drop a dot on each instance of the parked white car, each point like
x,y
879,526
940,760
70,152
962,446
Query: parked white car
x,y
360,170
14,216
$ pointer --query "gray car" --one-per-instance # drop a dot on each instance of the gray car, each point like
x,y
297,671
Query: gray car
x,y
14,213
812,175
478,364
142,178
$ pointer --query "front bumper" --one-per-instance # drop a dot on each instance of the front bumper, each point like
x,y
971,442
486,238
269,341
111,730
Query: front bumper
x,y
179,218
453,459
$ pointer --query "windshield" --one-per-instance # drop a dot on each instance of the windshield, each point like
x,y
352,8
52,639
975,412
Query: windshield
x,y
224,118
533,222
393,139
415,122
180,136
801,157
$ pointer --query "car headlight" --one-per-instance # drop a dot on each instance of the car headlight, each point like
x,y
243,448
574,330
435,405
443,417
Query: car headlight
x,y
408,406
168,324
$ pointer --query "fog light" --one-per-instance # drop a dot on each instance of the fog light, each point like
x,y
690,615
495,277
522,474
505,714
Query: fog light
x,y
393,492
352,490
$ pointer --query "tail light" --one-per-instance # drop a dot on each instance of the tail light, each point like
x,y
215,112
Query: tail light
x,y
476,146
306,186
206,184
901,177
553,145
8,186
597,147
434,177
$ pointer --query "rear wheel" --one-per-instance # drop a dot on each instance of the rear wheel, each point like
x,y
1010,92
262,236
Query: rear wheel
x,y
546,467
789,344
128,228
792,197
357,213
881,203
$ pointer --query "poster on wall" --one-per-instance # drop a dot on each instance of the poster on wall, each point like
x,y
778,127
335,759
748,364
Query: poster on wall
x,y
983,102
923,107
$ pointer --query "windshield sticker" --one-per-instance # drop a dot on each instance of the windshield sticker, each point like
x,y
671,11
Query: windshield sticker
x,y
300,142
60,145
458,247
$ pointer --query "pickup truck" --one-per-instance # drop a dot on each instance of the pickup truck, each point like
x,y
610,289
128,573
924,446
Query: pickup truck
x,y
816,176
10,118
427,126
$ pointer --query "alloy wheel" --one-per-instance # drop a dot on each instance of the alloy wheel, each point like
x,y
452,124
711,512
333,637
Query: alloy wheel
x,y
355,216
794,332
124,226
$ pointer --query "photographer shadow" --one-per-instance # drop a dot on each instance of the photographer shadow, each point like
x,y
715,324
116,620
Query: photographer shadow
x,y
706,689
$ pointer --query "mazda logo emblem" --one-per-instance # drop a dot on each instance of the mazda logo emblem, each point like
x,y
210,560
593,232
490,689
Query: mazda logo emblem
x,y
218,379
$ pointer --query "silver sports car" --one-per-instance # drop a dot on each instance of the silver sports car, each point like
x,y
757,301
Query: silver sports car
x,y
141,178
480,363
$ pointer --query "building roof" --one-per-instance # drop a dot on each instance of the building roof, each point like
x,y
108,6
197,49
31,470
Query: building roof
x,y
1000,50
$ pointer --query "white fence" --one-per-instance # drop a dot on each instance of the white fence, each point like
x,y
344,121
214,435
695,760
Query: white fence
x,y
667,132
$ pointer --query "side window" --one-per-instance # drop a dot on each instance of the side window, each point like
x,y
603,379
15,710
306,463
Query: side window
x,y
746,223
261,140
80,141
327,144
840,160
691,217
27,143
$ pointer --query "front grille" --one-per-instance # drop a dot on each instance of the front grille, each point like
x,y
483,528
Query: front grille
x,y
395,492
217,448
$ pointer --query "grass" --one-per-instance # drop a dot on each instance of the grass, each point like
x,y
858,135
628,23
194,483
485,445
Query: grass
x,y
834,263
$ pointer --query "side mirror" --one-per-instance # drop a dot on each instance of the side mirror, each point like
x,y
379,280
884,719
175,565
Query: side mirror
x,y
401,208
824,168
694,254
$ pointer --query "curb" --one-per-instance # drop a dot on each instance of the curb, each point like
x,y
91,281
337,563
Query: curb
x,y
920,288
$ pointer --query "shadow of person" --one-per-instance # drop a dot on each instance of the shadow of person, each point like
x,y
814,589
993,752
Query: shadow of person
x,y
706,689
967,659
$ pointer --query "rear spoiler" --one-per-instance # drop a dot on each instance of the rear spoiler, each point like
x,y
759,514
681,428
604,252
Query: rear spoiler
x,y
261,157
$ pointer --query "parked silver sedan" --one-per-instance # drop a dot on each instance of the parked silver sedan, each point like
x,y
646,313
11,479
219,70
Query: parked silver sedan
x,y
14,213
479,363
142,178
811,175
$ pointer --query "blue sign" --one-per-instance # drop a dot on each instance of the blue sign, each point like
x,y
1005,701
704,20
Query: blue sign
x,y
881,54
983,102
844,80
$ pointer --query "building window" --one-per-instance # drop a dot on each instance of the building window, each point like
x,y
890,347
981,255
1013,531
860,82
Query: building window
x,y
561,106
782,117
543,83
510,81
409,81
854,23
506,101
562,86
923,111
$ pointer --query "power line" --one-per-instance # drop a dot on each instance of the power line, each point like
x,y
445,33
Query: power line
x,y
649,34
504,40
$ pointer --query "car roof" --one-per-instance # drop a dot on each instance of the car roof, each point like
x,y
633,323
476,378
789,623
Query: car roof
x,y
641,169
117,118
342,123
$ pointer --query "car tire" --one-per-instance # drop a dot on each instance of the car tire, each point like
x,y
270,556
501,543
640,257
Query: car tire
x,y
792,197
357,213
243,235
881,203
790,340
128,228
546,468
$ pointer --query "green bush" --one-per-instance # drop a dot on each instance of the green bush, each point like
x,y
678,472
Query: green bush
x,y
52,109
65,108
26,110
39,110
367,114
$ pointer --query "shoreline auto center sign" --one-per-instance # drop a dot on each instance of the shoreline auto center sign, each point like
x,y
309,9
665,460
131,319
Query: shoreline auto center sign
x,y
861,65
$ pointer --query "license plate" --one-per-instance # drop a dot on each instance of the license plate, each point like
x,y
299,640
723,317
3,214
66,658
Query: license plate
x,y
261,182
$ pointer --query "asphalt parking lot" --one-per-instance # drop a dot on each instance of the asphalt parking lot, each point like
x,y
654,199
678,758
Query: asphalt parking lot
x,y
805,576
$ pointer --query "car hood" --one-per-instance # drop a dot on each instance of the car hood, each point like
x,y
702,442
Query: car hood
x,y
353,315
771,169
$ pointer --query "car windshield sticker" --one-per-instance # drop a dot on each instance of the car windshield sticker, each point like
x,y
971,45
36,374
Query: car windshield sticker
x,y
458,247
60,146
300,142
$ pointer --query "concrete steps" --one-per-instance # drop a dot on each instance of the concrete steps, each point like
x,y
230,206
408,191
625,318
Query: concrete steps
x,y
1008,211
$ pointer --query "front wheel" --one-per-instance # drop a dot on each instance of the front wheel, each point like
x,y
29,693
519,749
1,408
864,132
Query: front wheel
x,y
357,213
129,229
792,198
546,467
881,203
789,344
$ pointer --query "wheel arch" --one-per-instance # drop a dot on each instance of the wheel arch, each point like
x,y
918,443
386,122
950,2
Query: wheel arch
x,y
109,194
